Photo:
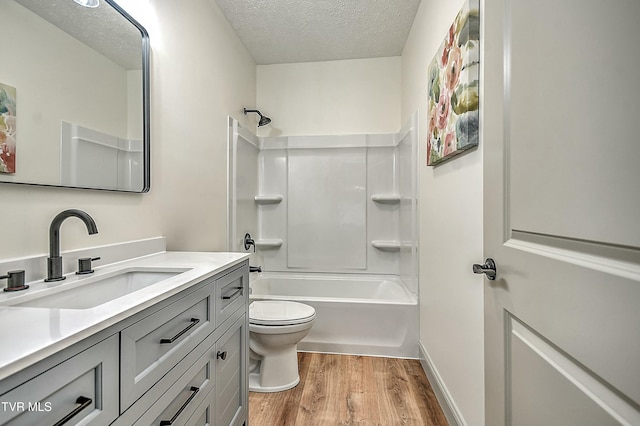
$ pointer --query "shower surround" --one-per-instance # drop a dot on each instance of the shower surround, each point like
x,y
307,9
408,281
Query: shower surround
x,y
320,205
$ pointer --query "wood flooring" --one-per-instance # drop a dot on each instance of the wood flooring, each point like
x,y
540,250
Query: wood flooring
x,y
350,390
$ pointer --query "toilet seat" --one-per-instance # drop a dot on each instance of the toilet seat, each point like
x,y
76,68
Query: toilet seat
x,y
279,313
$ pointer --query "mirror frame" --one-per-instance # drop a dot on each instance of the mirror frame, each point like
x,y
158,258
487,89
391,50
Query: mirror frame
x,y
146,114
146,98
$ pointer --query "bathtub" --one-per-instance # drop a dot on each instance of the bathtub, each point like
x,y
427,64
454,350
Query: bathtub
x,y
355,314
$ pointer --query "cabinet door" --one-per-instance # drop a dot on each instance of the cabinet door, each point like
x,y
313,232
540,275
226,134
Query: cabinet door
x,y
232,292
82,389
231,375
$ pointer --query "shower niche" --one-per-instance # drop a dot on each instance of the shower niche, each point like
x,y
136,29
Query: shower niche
x,y
326,203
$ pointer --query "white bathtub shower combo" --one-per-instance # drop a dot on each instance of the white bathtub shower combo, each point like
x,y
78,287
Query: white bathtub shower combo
x,y
334,225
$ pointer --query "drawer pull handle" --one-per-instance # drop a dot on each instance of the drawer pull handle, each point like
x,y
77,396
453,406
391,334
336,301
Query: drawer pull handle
x,y
221,355
194,321
234,294
175,416
84,403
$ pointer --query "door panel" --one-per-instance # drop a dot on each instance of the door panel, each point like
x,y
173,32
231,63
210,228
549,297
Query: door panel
x,y
534,397
572,102
561,202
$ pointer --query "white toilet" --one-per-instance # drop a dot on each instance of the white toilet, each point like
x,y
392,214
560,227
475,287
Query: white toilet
x,y
275,328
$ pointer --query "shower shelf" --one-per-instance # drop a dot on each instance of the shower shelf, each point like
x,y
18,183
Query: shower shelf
x,y
268,199
386,198
269,244
386,245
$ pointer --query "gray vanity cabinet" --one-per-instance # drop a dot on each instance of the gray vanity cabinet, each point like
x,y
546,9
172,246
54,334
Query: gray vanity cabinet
x,y
211,392
212,387
83,388
154,345
200,372
183,361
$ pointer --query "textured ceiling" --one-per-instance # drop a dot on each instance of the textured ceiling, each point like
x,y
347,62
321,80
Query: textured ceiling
x,y
102,28
285,31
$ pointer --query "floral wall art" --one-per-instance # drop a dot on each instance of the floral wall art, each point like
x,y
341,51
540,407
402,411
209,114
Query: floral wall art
x,y
453,84
7,129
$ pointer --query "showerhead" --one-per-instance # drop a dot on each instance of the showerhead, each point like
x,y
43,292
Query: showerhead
x,y
264,120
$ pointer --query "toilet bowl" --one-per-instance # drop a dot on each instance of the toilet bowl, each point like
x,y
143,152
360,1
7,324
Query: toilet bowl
x,y
275,328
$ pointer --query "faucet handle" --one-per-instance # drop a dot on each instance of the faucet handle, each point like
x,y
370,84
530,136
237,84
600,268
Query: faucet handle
x,y
84,265
248,242
15,281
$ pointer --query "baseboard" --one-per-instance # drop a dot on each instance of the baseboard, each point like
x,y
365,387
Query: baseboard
x,y
449,408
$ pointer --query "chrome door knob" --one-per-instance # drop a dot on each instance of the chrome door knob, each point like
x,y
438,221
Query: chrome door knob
x,y
489,269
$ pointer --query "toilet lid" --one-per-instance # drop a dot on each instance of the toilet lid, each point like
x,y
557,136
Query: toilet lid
x,y
277,312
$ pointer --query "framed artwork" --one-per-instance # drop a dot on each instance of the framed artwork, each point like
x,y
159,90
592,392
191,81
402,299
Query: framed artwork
x,y
453,88
7,129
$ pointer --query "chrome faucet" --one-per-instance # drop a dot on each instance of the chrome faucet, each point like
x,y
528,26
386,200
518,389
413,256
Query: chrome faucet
x,y
54,261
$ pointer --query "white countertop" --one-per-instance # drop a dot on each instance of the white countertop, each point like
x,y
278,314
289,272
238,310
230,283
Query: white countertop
x,y
29,335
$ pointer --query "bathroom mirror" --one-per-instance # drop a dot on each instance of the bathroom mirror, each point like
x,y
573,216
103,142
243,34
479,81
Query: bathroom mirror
x,y
74,96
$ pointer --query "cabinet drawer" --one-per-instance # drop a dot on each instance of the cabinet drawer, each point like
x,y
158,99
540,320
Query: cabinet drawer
x,y
83,389
204,414
181,400
230,373
154,345
231,293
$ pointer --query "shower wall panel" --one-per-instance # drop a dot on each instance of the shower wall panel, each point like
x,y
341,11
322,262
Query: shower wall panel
x,y
337,204
243,185
327,207
382,218
407,161
272,217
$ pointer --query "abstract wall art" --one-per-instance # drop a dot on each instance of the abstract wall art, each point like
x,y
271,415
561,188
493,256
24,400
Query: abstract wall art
x,y
453,88
7,129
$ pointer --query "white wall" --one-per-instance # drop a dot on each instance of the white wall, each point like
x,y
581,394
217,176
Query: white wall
x,y
200,74
330,98
451,302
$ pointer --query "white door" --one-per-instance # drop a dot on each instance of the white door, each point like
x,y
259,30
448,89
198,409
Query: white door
x,y
561,135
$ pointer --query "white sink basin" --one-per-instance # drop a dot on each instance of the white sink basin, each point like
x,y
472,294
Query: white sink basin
x,y
94,292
